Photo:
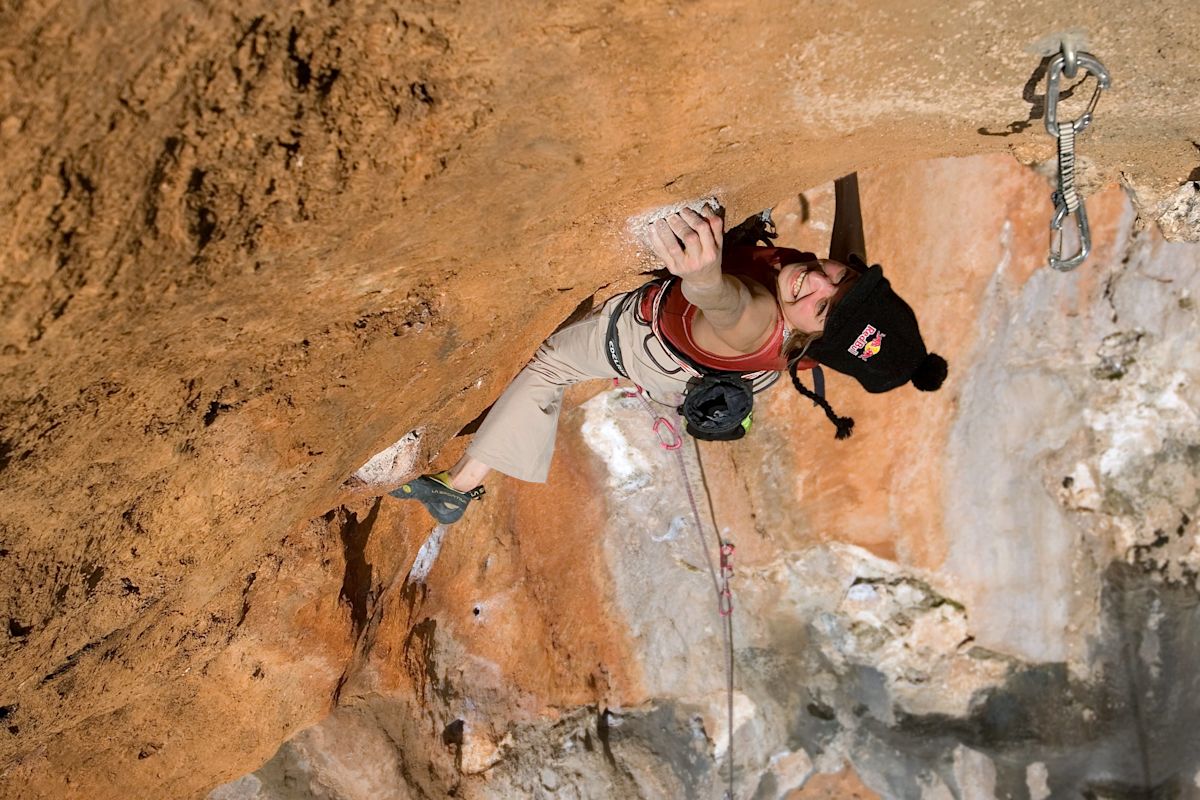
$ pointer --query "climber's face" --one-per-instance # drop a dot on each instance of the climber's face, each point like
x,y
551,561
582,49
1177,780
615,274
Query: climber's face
x,y
808,292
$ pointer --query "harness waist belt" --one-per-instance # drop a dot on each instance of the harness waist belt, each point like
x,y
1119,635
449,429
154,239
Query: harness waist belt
x,y
612,339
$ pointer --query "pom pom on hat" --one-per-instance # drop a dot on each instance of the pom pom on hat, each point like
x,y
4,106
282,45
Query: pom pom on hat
x,y
930,373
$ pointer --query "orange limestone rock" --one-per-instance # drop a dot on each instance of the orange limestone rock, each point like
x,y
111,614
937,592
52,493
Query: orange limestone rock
x,y
247,247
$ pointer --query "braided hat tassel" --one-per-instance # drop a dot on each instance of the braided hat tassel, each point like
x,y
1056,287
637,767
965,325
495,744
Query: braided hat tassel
x,y
844,425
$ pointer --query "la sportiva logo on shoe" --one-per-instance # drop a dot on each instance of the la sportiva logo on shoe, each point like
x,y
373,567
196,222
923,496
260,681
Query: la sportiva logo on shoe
x,y
868,345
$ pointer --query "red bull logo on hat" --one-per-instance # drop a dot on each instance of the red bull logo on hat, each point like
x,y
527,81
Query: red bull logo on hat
x,y
869,342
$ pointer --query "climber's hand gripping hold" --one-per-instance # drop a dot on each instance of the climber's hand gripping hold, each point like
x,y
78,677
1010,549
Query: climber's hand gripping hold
x,y
689,244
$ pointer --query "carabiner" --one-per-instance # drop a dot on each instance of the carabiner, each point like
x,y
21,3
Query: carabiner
x,y
1054,72
1056,235
725,602
675,442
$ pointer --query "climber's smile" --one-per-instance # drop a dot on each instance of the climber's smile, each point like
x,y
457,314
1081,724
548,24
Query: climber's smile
x,y
808,291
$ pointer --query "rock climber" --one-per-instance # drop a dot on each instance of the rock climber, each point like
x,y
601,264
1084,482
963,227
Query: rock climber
x,y
743,311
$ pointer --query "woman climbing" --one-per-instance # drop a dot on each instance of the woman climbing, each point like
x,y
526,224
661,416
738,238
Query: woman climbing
x,y
742,313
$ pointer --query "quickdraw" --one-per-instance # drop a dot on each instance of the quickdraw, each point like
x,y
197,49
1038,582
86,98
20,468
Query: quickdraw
x,y
1066,199
725,601
671,439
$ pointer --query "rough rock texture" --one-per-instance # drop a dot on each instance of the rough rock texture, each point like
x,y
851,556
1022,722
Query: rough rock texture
x,y
1013,614
1005,605
246,248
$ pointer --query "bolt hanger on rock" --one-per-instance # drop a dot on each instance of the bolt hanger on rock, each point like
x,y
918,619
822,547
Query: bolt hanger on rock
x,y
1066,199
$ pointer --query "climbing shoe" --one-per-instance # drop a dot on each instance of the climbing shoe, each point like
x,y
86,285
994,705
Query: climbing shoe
x,y
433,491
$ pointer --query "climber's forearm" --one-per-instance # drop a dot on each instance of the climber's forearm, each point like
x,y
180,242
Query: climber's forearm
x,y
722,298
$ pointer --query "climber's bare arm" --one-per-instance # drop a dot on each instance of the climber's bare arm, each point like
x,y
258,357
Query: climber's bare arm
x,y
690,244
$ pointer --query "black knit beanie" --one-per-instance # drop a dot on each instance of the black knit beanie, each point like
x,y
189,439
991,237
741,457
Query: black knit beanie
x,y
872,335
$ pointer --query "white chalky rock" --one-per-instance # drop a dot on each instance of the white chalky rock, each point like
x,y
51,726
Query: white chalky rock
x,y
395,463
479,753
975,774
1037,780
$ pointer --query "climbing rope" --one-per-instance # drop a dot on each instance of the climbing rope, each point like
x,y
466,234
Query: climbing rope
x,y
721,579
1066,199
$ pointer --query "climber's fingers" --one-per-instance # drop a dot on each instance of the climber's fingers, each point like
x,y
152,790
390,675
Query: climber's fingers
x,y
689,242
715,220
706,240
684,232
664,243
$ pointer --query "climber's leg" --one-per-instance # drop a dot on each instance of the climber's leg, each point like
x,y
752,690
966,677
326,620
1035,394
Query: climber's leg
x,y
468,473
517,437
